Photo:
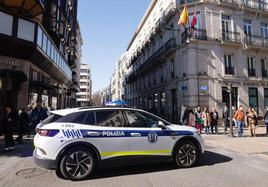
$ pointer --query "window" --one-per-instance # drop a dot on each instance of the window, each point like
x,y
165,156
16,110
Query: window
x,y
225,24
228,65
248,31
26,30
44,43
110,118
162,74
264,30
263,68
251,67
6,22
39,37
79,117
253,98
140,119
265,97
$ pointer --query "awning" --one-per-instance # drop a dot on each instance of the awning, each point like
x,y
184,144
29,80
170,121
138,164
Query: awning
x,y
42,84
15,74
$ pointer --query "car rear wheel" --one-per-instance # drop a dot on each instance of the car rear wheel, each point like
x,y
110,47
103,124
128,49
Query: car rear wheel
x,y
77,164
185,154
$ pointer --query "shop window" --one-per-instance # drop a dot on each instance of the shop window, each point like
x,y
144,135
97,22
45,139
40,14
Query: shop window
x,y
253,98
26,30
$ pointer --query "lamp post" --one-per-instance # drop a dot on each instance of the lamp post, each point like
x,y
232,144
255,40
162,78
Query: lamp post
x,y
229,90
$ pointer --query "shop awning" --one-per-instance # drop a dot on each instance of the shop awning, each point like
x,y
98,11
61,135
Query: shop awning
x,y
15,74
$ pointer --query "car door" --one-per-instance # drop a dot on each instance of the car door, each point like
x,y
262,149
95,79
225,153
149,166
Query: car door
x,y
109,134
146,137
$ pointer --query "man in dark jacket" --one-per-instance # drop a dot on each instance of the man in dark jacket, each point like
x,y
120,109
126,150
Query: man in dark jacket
x,y
9,124
24,121
38,114
214,116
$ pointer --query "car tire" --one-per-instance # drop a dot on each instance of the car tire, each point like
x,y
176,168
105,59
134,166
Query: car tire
x,y
77,163
185,154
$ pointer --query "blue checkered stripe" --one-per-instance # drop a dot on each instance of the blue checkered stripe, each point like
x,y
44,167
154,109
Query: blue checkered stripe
x,y
72,133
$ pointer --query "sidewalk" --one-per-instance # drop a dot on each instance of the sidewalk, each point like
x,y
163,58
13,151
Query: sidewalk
x,y
248,145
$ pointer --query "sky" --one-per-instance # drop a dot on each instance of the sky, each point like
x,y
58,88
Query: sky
x,y
107,27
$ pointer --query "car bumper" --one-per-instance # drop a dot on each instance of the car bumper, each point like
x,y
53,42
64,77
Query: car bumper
x,y
43,162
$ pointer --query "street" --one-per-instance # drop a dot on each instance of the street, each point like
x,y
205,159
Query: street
x,y
226,162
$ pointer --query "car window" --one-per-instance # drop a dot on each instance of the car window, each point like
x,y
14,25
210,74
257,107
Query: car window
x,y
140,119
79,117
51,119
110,118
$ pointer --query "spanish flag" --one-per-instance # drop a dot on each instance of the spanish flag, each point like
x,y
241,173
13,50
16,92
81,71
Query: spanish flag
x,y
184,16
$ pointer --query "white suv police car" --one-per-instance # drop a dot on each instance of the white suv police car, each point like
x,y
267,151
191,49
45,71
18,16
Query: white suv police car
x,y
73,141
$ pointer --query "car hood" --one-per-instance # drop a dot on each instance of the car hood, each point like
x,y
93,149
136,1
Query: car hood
x,y
176,127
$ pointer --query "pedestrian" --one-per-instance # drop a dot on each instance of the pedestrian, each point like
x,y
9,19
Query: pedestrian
x,y
206,119
226,116
9,123
191,118
198,119
185,117
266,120
252,121
239,118
24,121
38,114
214,116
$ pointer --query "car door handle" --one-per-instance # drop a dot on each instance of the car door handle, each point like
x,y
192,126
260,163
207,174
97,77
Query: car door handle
x,y
135,134
93,133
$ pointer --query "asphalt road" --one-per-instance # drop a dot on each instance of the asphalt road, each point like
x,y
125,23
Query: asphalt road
x,y
217,167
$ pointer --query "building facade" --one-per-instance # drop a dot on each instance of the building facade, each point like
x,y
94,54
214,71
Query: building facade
x,y
84,96
170,66
36,52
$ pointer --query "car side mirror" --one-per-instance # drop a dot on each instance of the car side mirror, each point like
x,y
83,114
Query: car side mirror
x,y
161,124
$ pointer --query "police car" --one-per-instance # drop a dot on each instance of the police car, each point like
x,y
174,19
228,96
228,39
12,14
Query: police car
x,y
73,141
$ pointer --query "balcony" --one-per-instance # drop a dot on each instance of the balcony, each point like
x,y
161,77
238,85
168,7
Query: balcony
x,y
229,70
252,72
257,41
264,73
253,5
31,42
228,36
154,60
197,34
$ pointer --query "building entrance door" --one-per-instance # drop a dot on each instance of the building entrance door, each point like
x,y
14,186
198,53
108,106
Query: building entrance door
x,y
174,106
225,96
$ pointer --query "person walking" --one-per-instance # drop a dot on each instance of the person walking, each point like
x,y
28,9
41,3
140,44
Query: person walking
x,y
214,116
266,120
206,119
38,114
198,119
239,118
24,121
252,121
9,123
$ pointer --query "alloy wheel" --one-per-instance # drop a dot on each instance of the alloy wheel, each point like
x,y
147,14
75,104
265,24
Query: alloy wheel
x,y
186,155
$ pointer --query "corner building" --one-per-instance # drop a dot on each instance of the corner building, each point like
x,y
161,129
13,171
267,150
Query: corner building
x,y
37,40
169,66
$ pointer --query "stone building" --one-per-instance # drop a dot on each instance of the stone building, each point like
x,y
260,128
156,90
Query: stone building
x,y
84,96
170,66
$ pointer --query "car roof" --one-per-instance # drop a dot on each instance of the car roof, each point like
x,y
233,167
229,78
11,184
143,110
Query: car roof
x,y
64,112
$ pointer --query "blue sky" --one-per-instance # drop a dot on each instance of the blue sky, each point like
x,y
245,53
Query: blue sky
x,y
107,27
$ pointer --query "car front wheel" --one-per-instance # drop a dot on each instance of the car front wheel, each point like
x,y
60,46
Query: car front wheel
x,y
185,154
77,164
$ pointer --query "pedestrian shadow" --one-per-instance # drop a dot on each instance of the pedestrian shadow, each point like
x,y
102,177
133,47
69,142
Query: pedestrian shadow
x,y
21,150
133,166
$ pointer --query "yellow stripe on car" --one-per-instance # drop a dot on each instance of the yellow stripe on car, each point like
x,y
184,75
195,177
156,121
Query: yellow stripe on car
x,y
129,153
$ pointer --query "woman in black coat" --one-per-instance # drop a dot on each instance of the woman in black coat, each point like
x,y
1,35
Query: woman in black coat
x,y
9,124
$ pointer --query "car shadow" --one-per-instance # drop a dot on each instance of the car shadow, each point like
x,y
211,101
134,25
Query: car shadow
x,y
131,166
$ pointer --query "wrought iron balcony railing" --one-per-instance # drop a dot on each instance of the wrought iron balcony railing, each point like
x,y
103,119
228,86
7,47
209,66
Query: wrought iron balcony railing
x,y
229,70
252,72
230,36
199,34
